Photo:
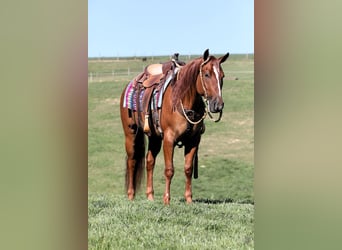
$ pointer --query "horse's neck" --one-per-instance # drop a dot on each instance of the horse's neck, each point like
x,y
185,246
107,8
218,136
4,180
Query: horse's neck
x,y
192,97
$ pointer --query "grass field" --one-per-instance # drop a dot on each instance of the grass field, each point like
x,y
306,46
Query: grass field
x,y
221,216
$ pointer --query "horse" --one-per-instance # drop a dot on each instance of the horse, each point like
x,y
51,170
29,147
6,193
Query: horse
x,y
193,90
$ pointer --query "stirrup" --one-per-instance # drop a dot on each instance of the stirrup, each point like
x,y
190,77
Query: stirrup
x,y
147,129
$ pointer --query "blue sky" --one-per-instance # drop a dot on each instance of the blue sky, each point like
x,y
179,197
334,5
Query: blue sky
x,y
154,27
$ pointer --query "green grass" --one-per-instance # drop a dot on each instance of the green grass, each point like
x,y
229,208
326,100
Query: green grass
x,y
226,167
115,223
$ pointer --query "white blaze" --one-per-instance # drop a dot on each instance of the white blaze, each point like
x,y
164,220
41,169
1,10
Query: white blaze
x,y
218,79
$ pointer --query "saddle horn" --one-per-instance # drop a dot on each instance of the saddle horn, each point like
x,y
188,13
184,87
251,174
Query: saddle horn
x,y
176,60
175,56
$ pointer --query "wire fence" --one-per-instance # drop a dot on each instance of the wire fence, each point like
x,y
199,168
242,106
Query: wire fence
x,y
110,76
128,68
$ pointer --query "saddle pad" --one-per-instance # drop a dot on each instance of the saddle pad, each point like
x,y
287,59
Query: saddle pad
x,y
130,97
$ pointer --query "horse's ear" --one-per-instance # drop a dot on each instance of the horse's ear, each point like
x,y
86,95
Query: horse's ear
x,y
206,54
223,58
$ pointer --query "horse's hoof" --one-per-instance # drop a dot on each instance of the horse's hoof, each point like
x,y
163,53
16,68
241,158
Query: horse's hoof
x,y
150,197
130,197
166,199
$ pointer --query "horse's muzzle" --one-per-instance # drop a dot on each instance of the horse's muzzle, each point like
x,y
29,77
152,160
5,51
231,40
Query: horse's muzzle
x,y
216,105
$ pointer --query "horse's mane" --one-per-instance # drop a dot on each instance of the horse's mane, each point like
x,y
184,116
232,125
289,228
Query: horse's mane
x,y
186,76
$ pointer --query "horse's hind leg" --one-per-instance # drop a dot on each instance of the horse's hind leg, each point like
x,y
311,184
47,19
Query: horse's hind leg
x,y
154,146
130,163
135,149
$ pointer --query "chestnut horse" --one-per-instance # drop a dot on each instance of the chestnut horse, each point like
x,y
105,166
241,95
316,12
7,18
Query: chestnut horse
x,y
195,90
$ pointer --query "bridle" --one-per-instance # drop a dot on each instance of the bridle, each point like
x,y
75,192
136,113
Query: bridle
x,y
205,100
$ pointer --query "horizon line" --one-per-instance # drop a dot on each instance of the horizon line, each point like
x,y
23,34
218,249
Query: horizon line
x,y
163,55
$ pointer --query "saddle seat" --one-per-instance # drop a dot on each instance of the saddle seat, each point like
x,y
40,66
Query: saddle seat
x,y
152,80
155,69
153,75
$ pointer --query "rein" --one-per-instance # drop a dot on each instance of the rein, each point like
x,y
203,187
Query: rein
x,y
206,111
187,117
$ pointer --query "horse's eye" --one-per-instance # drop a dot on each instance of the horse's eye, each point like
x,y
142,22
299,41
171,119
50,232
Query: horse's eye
x,y
207,75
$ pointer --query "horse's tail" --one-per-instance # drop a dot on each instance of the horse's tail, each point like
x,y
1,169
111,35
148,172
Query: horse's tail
x,y
139,157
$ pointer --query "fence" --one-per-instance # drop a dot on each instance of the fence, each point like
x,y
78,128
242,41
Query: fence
x,y
133,67
110,76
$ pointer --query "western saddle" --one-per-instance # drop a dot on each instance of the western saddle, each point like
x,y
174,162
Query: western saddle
x,y
153,81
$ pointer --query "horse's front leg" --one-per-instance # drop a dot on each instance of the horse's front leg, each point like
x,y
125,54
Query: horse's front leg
x,y
168,148
189,153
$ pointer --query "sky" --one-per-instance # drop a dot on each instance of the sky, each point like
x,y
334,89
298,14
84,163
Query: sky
x,y
154,27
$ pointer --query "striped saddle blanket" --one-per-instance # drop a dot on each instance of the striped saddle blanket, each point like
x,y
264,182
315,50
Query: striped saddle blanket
x,y
134,95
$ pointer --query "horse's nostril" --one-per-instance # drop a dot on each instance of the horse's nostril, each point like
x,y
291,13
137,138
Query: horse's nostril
x,y
216,106
219,106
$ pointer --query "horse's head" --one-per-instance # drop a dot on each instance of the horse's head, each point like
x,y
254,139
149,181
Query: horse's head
x,y
210,81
